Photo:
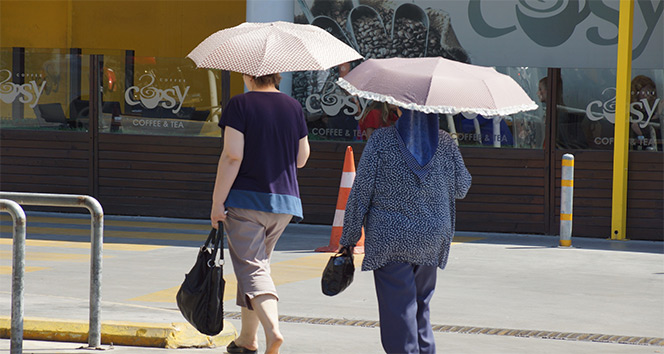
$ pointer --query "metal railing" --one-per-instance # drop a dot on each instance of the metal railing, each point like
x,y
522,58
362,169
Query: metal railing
x,y
18,272
96,242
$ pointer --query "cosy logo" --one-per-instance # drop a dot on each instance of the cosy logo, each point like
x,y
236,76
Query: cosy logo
x,y
331,103
29,92
599,109
537,18
151,96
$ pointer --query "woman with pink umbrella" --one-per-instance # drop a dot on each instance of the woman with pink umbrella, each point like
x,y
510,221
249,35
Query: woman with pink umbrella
x,y
408,180
404,195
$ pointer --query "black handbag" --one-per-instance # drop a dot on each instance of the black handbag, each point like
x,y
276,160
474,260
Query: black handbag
x,y
338,272
200,298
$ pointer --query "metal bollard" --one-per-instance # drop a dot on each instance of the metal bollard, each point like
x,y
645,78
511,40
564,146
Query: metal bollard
x,y
96,243
566,198
18,273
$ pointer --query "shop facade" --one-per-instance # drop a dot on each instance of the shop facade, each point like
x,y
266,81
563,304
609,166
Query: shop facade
x,y
139,132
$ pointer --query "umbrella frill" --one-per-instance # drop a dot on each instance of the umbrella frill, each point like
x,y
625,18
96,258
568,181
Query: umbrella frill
x,y
487,112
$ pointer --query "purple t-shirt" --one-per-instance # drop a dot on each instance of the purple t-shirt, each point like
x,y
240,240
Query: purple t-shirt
x,y
273,124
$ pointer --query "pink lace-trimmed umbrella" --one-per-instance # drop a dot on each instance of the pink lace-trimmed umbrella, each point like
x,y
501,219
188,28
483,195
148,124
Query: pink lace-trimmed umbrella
x,y
437,85
259,49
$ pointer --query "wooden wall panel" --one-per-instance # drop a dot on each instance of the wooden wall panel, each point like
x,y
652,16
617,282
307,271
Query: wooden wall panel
x,y
593,183
44,162
507,194
157,176
174,176
645,196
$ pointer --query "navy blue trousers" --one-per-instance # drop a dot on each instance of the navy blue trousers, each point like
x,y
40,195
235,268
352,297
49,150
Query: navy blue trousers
x,y
404,291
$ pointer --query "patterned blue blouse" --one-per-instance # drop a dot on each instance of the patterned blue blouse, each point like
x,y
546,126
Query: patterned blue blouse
x,y
408,211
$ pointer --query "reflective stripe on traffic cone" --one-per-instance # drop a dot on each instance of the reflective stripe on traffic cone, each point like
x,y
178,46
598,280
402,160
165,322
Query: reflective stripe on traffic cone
x,y
347,178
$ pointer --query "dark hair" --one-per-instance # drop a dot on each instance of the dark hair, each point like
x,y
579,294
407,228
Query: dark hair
x,y
545,82
268,80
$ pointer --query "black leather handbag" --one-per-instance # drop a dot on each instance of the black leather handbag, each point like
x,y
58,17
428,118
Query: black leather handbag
x,y
200,298
338,272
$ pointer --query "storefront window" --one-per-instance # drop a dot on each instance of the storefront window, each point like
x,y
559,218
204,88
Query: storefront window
x,y
522,130
48,89
333,115
166,96
385,29
376,29
586,110
35,89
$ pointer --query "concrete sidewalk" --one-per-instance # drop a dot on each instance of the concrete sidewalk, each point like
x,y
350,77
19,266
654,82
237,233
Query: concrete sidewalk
x,y
499,294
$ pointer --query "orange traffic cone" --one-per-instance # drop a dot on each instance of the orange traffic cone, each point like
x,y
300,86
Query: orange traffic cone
x,y
347,178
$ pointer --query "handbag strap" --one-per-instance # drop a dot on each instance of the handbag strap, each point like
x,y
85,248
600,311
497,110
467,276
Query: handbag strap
x,y
210,239
346,251
216,240
219,246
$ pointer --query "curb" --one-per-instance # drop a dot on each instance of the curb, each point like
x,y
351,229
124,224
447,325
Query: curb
x,y
160,335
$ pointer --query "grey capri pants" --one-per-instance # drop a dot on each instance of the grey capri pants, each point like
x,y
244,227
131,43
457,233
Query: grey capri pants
x,y
252,235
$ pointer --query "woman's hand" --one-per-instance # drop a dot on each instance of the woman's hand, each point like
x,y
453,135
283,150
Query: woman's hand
x,y
218,214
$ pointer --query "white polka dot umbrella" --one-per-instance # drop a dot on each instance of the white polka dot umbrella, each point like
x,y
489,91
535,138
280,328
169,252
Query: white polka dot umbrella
x,y
259,49
437,85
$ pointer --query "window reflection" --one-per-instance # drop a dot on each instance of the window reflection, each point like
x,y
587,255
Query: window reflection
x,y
47,89
586,118
333,115
525,130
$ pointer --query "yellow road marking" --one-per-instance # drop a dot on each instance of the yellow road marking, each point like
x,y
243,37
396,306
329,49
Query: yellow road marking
x,y
303,268
8,269
462,239
298,269
168,295
114,233
84,245
86,221
50,257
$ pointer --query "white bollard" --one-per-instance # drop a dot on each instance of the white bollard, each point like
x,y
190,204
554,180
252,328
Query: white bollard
x,y
566,198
